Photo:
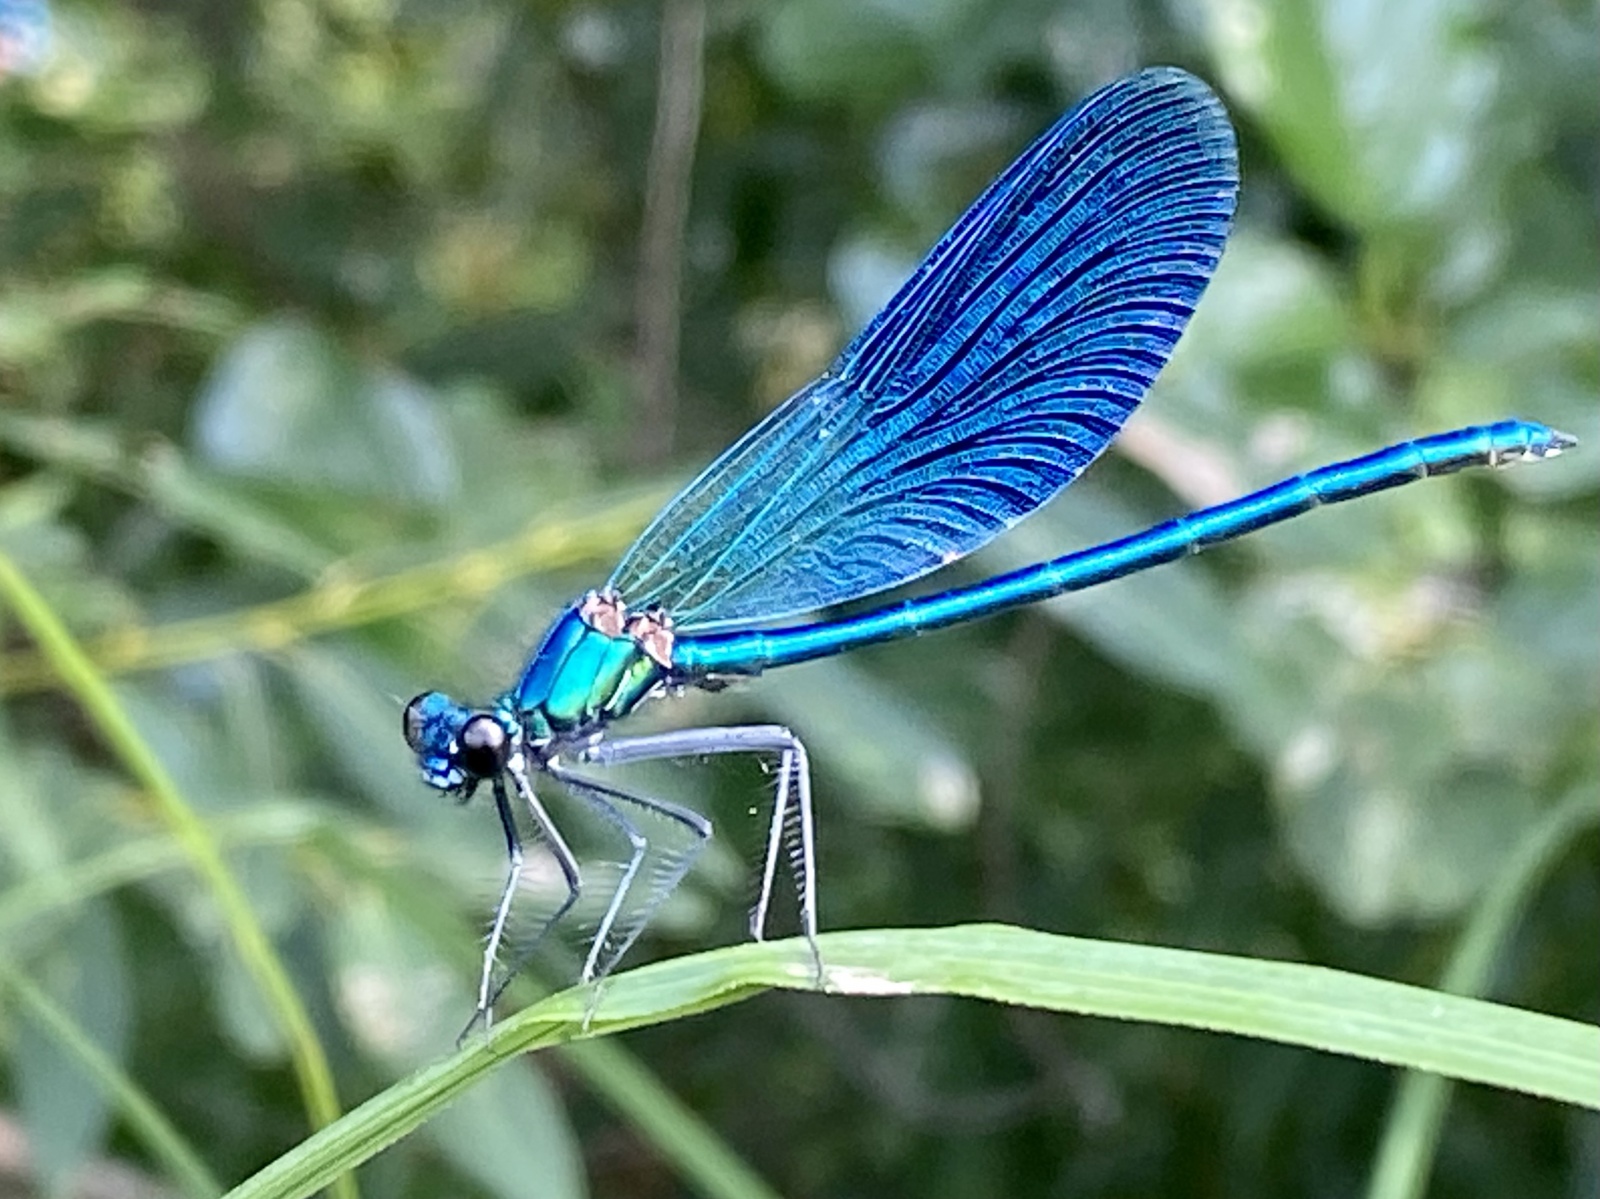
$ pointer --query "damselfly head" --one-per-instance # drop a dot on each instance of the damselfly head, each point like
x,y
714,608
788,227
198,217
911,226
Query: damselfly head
x,y
456,746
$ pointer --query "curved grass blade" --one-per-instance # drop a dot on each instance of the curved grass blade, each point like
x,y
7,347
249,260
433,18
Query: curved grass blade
x,y
143,1118
254,948
684,1140
145,857
1286,1002
1411,1132
348,600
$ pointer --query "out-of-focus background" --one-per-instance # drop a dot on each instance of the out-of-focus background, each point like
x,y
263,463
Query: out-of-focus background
x,y
343,341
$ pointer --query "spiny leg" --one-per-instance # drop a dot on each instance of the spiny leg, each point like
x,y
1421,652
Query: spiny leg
x,y
793,763
769,863
638,846
602,959
502,911
488,991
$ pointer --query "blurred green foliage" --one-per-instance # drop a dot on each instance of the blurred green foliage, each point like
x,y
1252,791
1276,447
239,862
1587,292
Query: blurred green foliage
x,y
327,375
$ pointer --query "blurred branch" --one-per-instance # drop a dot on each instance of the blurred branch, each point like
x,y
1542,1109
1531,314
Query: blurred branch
x,y
1411,1133
1196,472
38,314
658,300
342,602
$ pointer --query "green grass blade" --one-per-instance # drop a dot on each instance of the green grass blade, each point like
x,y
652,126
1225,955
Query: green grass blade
x,y
281,824
347,599
1411,1134
143,1119
254,947
683,1142
1279,1001
700,1156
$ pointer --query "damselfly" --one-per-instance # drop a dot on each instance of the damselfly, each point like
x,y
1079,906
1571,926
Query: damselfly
x,y
1001,369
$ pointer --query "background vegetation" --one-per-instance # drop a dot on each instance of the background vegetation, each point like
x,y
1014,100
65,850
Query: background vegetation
x,y
343,341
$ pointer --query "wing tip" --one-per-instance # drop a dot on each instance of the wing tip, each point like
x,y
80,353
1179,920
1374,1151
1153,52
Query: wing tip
x,y
1204,111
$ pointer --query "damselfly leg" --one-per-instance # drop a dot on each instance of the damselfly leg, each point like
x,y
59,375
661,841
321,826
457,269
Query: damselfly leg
x,y
619,928
488,990
791,801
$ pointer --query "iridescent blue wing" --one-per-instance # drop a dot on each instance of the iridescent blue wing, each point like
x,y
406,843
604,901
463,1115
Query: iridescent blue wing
x,y
1002,368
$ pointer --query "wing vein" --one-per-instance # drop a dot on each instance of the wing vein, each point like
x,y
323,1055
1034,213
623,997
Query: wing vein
x,y
1002,368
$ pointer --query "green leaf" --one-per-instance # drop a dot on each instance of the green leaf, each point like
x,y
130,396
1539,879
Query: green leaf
x,y
66,1110
158,475
1380,116
1411,1136
1280,1001
288,405
1173,623
113,724
829,48
144,1119
512,1137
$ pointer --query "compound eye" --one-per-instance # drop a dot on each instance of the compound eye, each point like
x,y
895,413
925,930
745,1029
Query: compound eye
x,y
414,723
484,747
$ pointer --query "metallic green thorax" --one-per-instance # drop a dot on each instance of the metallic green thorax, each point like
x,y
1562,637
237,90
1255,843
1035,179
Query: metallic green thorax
x,y
595,665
